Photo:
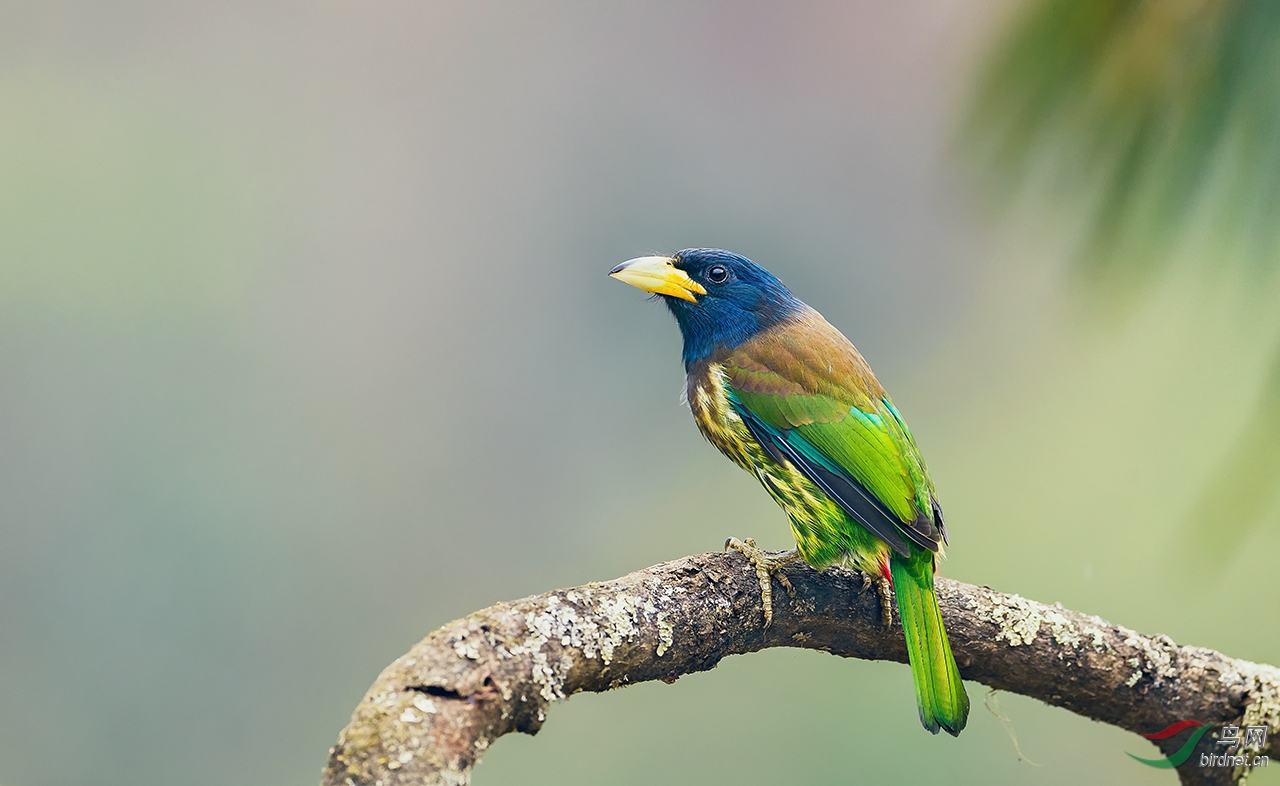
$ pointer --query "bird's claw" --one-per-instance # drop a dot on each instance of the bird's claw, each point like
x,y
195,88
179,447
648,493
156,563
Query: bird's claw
x,y
885,590
766,567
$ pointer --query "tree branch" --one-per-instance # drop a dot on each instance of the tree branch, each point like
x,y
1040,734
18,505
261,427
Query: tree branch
x,y
432,713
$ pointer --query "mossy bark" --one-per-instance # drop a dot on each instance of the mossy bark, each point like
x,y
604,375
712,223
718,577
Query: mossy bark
x,y
433,713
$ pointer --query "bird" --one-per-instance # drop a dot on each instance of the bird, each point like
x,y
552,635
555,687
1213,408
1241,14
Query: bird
x,y
785,396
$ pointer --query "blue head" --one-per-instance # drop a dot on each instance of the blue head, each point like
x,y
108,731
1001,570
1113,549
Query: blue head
x,y
720,299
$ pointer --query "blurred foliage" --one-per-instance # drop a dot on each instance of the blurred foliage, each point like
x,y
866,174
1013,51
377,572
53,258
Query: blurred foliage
x,y
1156,125
1145,115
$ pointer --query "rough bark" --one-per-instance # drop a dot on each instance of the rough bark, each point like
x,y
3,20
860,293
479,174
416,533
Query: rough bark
x,y
433,713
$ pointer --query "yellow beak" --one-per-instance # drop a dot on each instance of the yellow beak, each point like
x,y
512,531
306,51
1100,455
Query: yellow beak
x,y
660,276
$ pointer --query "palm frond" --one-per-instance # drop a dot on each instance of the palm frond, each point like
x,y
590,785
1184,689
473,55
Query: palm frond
x,y
1152,118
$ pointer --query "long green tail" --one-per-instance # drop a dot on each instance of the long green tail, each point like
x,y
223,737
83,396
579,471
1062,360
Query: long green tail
x,y
940,695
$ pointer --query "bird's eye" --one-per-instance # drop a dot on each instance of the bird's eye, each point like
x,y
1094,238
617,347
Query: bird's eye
x,y
716,274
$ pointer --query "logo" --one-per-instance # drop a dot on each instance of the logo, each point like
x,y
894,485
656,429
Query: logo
x,y
1255,738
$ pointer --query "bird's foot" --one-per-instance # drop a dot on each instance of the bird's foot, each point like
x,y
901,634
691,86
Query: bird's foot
x,y
885,590
766,566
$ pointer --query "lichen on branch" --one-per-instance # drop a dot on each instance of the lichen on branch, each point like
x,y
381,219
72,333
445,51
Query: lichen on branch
x,y
433,713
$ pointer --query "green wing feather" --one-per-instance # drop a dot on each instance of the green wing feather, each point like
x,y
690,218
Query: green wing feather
x,y
808,382
869,444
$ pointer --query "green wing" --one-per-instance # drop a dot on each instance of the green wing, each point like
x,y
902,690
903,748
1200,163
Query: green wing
x,y
835,423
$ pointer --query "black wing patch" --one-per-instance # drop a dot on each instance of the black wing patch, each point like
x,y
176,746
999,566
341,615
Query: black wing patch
x,y
937,519
848,493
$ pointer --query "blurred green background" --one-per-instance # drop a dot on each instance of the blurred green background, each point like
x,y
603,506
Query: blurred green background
x,y
306,348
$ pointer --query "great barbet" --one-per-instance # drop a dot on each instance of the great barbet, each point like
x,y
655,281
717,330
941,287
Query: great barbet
x,y
789,399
